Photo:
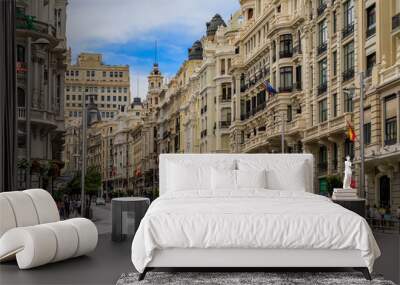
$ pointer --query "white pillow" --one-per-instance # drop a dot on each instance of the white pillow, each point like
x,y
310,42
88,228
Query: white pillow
x,y
186,174
183,177
284,174
251,178
293,178
223,179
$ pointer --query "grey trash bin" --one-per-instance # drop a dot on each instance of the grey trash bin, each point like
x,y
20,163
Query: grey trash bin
x,y
127,212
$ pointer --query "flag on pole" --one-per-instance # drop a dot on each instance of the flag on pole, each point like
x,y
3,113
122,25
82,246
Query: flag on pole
x,y
269,88
351,134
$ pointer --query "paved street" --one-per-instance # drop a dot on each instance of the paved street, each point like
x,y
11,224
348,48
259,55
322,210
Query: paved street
x,y
102,218
102,266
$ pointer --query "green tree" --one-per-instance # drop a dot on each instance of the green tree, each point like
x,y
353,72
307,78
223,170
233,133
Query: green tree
x,y
333,181
73,187
92,183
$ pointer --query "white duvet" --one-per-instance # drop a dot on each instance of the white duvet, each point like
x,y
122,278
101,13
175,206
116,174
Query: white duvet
x,y
250,219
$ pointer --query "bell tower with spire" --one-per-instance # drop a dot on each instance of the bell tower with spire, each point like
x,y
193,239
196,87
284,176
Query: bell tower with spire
x,y
155,81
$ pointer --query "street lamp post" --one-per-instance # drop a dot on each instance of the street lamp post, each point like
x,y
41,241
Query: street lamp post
x,y
362,158
283,132
39,42
83,170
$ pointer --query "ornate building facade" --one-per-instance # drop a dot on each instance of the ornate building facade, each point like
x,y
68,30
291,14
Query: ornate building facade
x,y
316,55
109,85
41,53
284,76
316,58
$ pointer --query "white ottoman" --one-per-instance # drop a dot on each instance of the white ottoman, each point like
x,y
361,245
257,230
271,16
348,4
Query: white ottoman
x,y
87,235
37,245
32,246
31,231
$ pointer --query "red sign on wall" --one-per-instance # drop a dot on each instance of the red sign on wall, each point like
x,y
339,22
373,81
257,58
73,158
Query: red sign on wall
x,y
21,67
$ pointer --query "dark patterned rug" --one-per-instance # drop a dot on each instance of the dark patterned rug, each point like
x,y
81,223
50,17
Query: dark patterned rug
x,y
242,278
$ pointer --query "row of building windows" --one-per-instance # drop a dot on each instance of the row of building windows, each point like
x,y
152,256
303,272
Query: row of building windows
x,y
103,98
78,114
389,109
96,89
108,106
92,73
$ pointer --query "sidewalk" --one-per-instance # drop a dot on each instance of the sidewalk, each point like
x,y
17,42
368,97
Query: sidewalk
x,y
102,218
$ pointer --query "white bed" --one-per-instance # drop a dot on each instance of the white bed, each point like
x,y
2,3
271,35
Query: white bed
x,y
249,227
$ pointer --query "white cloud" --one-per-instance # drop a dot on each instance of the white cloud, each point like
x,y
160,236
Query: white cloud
x,y
93,24
138,84
111,21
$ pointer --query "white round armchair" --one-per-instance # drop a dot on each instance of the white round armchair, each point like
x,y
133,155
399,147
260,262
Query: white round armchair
x,y
31,230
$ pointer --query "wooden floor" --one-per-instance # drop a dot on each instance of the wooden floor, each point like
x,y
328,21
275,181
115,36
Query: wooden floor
x,y
103,266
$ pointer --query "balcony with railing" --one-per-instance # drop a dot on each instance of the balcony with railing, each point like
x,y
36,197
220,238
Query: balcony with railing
x,y
253,80
322,88
389,225
321,8
224,124
296,125
21,112
322,48
286,89
348,74
390,132
396,22
348,30
297,50
285,53
253,112
224,99
371,31
26,22
260,107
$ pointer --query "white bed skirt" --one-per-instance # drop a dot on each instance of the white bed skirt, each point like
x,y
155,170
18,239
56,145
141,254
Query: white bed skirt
x,y
189,257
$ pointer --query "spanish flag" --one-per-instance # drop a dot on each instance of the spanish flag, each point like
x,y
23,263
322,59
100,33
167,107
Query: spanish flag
x,y
351,134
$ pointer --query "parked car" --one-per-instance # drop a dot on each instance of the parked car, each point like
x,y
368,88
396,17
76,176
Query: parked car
x,y
100,201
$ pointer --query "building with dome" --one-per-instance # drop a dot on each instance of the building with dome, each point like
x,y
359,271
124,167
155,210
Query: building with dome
x,y
196,51
215,85
214,24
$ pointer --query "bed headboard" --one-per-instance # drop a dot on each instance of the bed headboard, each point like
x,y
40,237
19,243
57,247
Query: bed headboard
x,y
204,159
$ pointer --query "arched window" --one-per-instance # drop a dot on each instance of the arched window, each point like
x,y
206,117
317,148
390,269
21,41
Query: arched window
x,y
20,97
152,84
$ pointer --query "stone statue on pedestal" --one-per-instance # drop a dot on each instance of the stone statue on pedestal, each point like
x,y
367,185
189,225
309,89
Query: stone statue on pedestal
x,y
347,173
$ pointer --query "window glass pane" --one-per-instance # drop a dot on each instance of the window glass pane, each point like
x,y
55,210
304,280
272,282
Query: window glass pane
x,y
391,110
323,32
367,115
323,71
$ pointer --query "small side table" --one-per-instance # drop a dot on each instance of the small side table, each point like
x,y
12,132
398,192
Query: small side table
x,y
357,205
127,212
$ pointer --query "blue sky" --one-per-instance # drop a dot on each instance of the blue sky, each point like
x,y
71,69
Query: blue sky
x,y
125,31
